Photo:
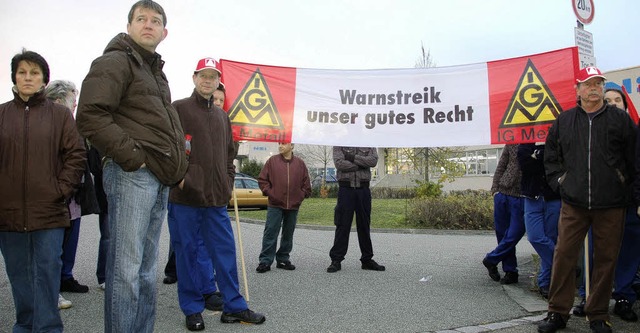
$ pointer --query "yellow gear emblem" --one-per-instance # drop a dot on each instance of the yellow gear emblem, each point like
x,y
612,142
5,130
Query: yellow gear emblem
x,y
254,106
532,102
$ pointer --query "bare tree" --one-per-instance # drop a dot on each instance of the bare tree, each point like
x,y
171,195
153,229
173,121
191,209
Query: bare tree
x,y
315,156
425,60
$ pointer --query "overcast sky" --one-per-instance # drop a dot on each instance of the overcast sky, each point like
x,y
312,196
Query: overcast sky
x,y
331,34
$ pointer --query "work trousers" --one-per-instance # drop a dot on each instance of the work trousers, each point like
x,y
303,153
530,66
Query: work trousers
x,y
607,226
508,221
629,257
189,227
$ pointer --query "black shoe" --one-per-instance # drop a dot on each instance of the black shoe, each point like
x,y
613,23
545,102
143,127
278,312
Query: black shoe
x,y
247,317
552,323
623,309
600,326
334,267
169,280
195,322
544,291
509,278
578,310
371,265
263,268
213,301
286,265
493,270
71,285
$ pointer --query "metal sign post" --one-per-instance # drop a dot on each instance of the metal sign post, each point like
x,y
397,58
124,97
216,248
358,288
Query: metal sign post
x,y
585,11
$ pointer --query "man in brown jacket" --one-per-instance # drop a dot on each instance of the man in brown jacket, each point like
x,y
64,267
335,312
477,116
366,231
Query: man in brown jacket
x,y
285,180
125,112
198,207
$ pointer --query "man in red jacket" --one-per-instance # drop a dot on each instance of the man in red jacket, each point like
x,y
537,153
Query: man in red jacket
x,y
285,180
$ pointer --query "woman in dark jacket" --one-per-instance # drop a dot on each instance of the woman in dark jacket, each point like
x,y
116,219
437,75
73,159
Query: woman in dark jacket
x,y
42,158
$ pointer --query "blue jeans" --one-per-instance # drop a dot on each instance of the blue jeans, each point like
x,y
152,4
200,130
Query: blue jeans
x,y
541,221
103,247
508,221
33,265
189,227
137,208
69,249
278,218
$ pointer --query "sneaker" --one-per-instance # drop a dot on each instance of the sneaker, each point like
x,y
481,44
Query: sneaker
x,y
623,309
213,301
509,278
600,326
334,267
544,291
578,310
552,323
247,317
195,322
169,280
63,303
102,286
286,265
371,265
262,268
71,285
492,269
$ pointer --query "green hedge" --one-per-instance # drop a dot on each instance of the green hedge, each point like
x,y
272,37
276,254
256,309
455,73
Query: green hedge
x,y
393,193
376,192
466,210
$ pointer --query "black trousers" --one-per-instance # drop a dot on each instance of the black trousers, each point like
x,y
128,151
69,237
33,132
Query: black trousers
x,y
350,201
170,268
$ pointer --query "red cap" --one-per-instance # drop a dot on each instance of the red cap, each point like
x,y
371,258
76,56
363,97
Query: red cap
x,y
588,73
208,63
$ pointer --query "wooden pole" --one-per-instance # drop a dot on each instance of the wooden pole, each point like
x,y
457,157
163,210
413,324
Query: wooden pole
x,y
587,273
243,266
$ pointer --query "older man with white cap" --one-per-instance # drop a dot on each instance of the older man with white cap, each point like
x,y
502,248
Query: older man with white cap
x,y
589,160
198,205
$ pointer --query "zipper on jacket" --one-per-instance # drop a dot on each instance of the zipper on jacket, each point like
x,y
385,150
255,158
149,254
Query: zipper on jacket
x,y
25,160
589,165
288,185
171,120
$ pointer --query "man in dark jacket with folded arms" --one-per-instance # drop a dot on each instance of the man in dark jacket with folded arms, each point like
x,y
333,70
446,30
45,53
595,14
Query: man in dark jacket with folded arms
x,y
285,180
354,174
589,160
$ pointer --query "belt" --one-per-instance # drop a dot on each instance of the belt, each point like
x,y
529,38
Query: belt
x,y
347,184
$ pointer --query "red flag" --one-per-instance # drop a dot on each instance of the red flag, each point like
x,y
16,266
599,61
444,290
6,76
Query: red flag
x,y
630,107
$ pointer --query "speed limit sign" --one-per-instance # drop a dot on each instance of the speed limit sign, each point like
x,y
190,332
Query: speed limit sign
x,y
584,10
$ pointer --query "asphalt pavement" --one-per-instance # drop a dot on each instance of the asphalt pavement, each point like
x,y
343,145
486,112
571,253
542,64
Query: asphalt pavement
x,y
434,282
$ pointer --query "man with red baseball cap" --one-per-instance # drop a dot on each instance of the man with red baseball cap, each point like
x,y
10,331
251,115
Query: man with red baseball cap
x,y
198,206
589,160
